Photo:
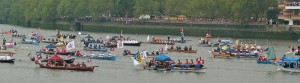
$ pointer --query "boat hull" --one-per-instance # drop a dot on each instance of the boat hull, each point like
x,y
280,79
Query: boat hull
x,y
264,62
132,44
184,51
7,61
69,68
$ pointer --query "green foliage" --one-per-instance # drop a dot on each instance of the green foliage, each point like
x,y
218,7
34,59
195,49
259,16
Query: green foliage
x,y
49,10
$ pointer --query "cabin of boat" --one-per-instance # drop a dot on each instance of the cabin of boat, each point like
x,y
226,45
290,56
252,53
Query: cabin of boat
x,y
289,64
7,58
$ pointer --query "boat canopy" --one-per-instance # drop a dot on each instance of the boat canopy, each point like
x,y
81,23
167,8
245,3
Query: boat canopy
x,y
290,59
88,36
50,46
56,57
162,57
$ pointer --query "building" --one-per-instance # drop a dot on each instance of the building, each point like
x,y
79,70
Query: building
x,y
289,11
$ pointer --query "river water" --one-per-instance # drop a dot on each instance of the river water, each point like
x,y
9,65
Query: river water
x,y
123,71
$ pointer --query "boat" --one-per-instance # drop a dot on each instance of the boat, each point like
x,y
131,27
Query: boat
x,y
102,57
221,54
7,59
169,65
132,43
28,41
50,41
268,58
184,51
69,68
55,63
112,57
66,53
61,45
68,60
162,42
289,64
7,32
8,51
59,35
101,49
11,45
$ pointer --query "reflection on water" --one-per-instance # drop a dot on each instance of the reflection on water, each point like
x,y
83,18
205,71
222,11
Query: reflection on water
x,y
231,70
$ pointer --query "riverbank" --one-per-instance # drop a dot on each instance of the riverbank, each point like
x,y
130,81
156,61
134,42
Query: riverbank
x,y
227,32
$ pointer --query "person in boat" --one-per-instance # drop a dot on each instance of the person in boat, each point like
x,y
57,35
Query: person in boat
x,y
72,65
109,55
4,41
187,64
168,37
186,48
83,64
197,65
66,65
77,65
23,40
125,52
192,62
157,53
101,55
90,46
180,64
190,48
172,47
152,53
95,46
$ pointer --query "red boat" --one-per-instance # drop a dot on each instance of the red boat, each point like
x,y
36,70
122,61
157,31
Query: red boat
x,y
69,68
56,59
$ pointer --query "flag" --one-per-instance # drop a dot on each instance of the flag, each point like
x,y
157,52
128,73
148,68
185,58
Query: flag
x,y
181,31
148,38
61,38
70,45
144,54
166,47
137,58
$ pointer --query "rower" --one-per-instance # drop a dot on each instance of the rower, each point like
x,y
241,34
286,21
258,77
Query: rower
x,y
190,48
197,65
172,47
83,65
77,65
185,48
180,64
187,64
157,53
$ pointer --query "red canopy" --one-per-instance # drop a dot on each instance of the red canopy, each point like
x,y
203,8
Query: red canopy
x,y
56,57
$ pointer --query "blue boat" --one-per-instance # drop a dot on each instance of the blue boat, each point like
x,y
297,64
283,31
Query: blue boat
x,y
271,57
289,64
111,57
100,49
28,41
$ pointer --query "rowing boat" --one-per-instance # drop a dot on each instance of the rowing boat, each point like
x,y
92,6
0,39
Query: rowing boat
x,y
91,68
184,51
221,54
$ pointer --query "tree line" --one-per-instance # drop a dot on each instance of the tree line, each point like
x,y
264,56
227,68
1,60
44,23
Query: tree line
x,y
50,10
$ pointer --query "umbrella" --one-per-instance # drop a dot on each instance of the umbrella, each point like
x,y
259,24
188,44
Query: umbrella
x,y
51,46
162,57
